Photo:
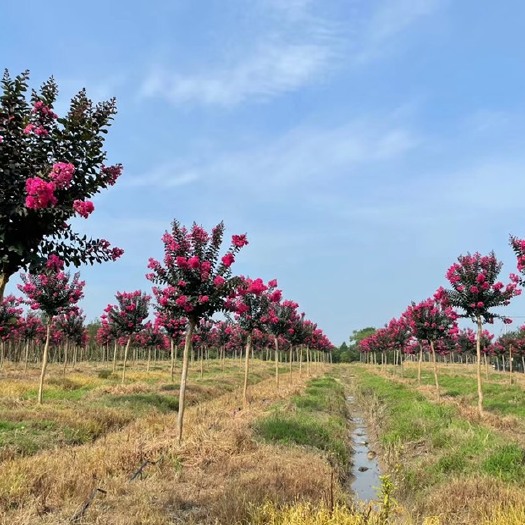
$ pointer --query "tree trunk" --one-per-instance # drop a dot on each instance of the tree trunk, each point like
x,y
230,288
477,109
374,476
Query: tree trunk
x,y
290,364
435,368
246,369
115,356
149,359
26,356
478,367
307,360
486,359
276,362
184,376
3,281
44,362
172,358
125,359
419,364
66,348
510,364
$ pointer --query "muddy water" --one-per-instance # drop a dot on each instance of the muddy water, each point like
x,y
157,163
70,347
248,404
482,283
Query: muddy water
x,y
365,472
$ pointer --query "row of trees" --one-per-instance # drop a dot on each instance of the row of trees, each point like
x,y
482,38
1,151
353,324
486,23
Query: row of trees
x,y
431,325
50,168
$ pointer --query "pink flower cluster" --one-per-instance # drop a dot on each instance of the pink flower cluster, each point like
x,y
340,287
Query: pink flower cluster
x,y
83,208
44,110
62,175
51,290
40,194
112,173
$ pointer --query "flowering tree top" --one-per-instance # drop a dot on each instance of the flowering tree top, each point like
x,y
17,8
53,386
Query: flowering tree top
x,y
476,289
52,291
194,280
50,167
431,320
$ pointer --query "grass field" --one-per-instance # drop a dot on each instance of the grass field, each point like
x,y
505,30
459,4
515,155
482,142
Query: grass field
x,y
448,463
282,460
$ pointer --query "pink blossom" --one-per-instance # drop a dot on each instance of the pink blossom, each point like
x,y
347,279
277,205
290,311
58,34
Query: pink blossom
x,y
219,280
112,173
194,262
83,208
257,287
40,194
55,263
228,260
116,253
239,240
62,174
29,128
203,299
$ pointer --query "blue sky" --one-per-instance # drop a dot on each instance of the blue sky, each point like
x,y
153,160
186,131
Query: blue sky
x,y
361,144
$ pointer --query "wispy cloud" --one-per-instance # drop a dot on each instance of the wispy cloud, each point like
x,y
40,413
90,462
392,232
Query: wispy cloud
x,y
388,21
273,69
168,175
290,49
298,159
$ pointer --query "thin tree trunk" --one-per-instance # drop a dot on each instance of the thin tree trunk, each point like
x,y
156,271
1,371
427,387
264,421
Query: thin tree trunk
x,y
435,368
486,366
66,348
44,362
419,364
510,365
172,358
307,361
201,351
115,356
246,369
184,376
478,367
125,359
290,364
276,362
149,359
26,356
3,281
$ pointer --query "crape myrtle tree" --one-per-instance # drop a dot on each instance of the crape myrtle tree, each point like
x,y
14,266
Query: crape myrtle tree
x,y
175,328
475,291
282,316
72,324
127,317
106,334
31,329
431,320
50,167
10,320
252,309
53,292
400,335
194,282
151,338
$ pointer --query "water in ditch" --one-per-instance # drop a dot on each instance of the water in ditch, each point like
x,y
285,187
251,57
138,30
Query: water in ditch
x,y
365,471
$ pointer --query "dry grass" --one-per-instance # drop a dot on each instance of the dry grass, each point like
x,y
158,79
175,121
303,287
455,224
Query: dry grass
x,y
475,500
215,476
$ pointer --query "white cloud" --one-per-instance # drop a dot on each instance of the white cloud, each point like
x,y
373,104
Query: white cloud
x,y
272,70
169,175
388,21
289,48
298,159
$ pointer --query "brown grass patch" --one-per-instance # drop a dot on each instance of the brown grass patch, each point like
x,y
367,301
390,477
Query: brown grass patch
x,y
216,474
